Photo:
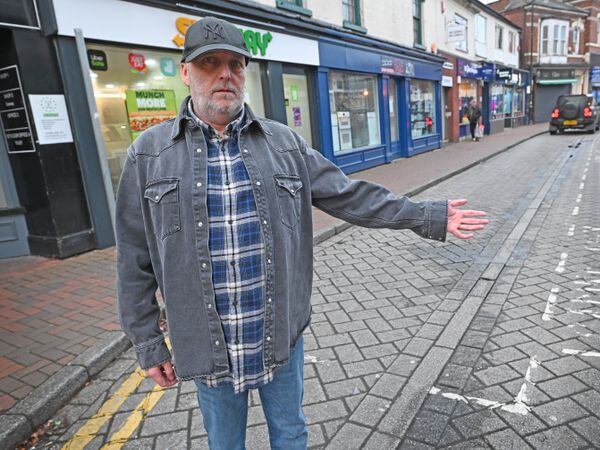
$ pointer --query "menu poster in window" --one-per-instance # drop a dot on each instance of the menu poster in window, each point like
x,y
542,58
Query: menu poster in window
x,y
146,108
51,119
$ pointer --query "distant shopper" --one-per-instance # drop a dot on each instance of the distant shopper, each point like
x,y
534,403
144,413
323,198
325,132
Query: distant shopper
x,y
473,114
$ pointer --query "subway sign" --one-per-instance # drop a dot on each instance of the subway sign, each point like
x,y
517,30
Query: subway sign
x,y
256,41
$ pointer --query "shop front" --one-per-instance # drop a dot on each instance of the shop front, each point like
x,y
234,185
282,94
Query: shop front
x,y
594,81
376,107
507,99
550,83
450,115
473,84
134,70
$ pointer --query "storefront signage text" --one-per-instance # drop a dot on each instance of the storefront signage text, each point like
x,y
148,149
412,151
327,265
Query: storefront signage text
x,y
397,66
149,107
503,74
97,60
257,42
137,62
550,74
51,119
469,69
595,75
13,114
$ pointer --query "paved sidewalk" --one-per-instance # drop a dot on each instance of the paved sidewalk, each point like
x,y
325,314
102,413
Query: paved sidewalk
x,y
53,311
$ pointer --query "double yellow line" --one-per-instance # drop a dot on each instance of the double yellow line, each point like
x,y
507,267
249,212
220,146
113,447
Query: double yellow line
x,y
110,407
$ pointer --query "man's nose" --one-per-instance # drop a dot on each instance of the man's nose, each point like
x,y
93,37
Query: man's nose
x,y
225,71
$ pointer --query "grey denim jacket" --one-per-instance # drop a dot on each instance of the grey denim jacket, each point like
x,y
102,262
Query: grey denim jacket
x,y
162,237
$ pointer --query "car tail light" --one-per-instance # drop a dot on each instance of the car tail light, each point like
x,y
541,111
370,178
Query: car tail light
x,y
587,112
555,113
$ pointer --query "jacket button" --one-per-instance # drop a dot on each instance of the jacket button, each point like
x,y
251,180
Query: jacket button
x,y
216,342
268,338
264,222
208,306
198,150
203,265
200,224
269,300
198,184
258,183
245,150
156,198
268,261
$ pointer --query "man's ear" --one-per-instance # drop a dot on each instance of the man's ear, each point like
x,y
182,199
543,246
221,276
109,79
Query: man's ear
x,y
185,76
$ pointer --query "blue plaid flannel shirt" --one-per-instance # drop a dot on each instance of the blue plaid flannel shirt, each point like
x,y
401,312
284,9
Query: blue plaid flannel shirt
x,y
237,253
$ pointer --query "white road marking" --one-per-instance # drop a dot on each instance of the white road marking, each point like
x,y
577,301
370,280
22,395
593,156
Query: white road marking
x,y
570,351
575,211
581,185
551,301
571,231
578,200
583,312
561,264
583,177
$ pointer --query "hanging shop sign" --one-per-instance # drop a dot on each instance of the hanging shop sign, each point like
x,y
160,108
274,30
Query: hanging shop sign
x,y
163,28
471,69
446,81
552,74
13,113
456,33
51,119
397,66
146,108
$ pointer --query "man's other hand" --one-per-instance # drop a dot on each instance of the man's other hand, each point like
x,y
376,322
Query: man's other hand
x,y
460,220
163,374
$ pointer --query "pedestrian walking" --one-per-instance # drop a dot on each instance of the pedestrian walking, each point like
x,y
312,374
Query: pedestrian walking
x,y
474,114
214,208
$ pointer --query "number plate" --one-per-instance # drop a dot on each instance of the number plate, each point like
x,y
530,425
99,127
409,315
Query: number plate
x,y
570,122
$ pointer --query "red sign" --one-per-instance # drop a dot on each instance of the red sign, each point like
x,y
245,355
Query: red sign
x,y
137,61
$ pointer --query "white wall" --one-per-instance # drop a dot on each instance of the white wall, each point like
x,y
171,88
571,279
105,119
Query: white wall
x,y
389,19
435,32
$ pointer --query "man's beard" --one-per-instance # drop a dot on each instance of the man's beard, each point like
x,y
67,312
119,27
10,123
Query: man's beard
x,y
205,106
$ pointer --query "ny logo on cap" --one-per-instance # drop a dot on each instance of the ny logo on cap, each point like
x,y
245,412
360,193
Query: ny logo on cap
x,y
213,31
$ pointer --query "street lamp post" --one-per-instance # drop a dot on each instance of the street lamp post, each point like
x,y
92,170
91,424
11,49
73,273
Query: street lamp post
x,y
531,62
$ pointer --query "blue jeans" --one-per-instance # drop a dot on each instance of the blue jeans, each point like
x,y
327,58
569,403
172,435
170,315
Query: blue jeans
x,y
225,412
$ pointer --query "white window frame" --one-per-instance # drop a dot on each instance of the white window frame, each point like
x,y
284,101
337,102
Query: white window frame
x,y
576,32
511,41
498,43
480,35
462,45
556,39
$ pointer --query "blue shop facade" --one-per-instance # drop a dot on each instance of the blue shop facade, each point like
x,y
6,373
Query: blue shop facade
x,y
376,106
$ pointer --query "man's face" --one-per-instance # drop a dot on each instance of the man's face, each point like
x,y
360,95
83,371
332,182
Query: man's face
x,y
217,83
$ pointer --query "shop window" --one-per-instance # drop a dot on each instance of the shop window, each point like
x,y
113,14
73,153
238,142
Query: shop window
x,y
393,100
508,101
497,101
422,108
462,45
467,91
545,40
137,88
480,38
352,15
417,22
295,6
354,102
519,102
499,37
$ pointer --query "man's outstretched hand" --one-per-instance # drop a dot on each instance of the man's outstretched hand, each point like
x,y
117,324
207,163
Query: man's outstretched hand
x,y
163,374
460,220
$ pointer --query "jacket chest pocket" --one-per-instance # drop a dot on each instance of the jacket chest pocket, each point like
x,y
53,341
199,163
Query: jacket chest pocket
x,y
288,196
163,202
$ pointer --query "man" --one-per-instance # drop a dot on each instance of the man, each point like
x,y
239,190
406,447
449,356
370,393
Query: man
x,y
473,114
214,207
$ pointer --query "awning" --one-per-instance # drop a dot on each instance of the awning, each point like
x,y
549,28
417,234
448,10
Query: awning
x,y
558,81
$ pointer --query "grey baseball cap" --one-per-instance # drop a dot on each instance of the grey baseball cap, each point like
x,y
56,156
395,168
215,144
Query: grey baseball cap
x,y
211,34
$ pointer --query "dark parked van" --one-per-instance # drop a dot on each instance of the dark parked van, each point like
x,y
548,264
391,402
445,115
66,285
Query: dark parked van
x,y
574,112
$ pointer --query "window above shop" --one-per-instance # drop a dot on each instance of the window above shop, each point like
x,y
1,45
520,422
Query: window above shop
x,y
575,37
511,42
499,37
296,6
462,45
352,15
480,36
554,37
417,22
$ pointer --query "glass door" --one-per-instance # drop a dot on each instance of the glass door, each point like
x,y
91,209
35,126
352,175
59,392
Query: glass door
x,y
297,104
